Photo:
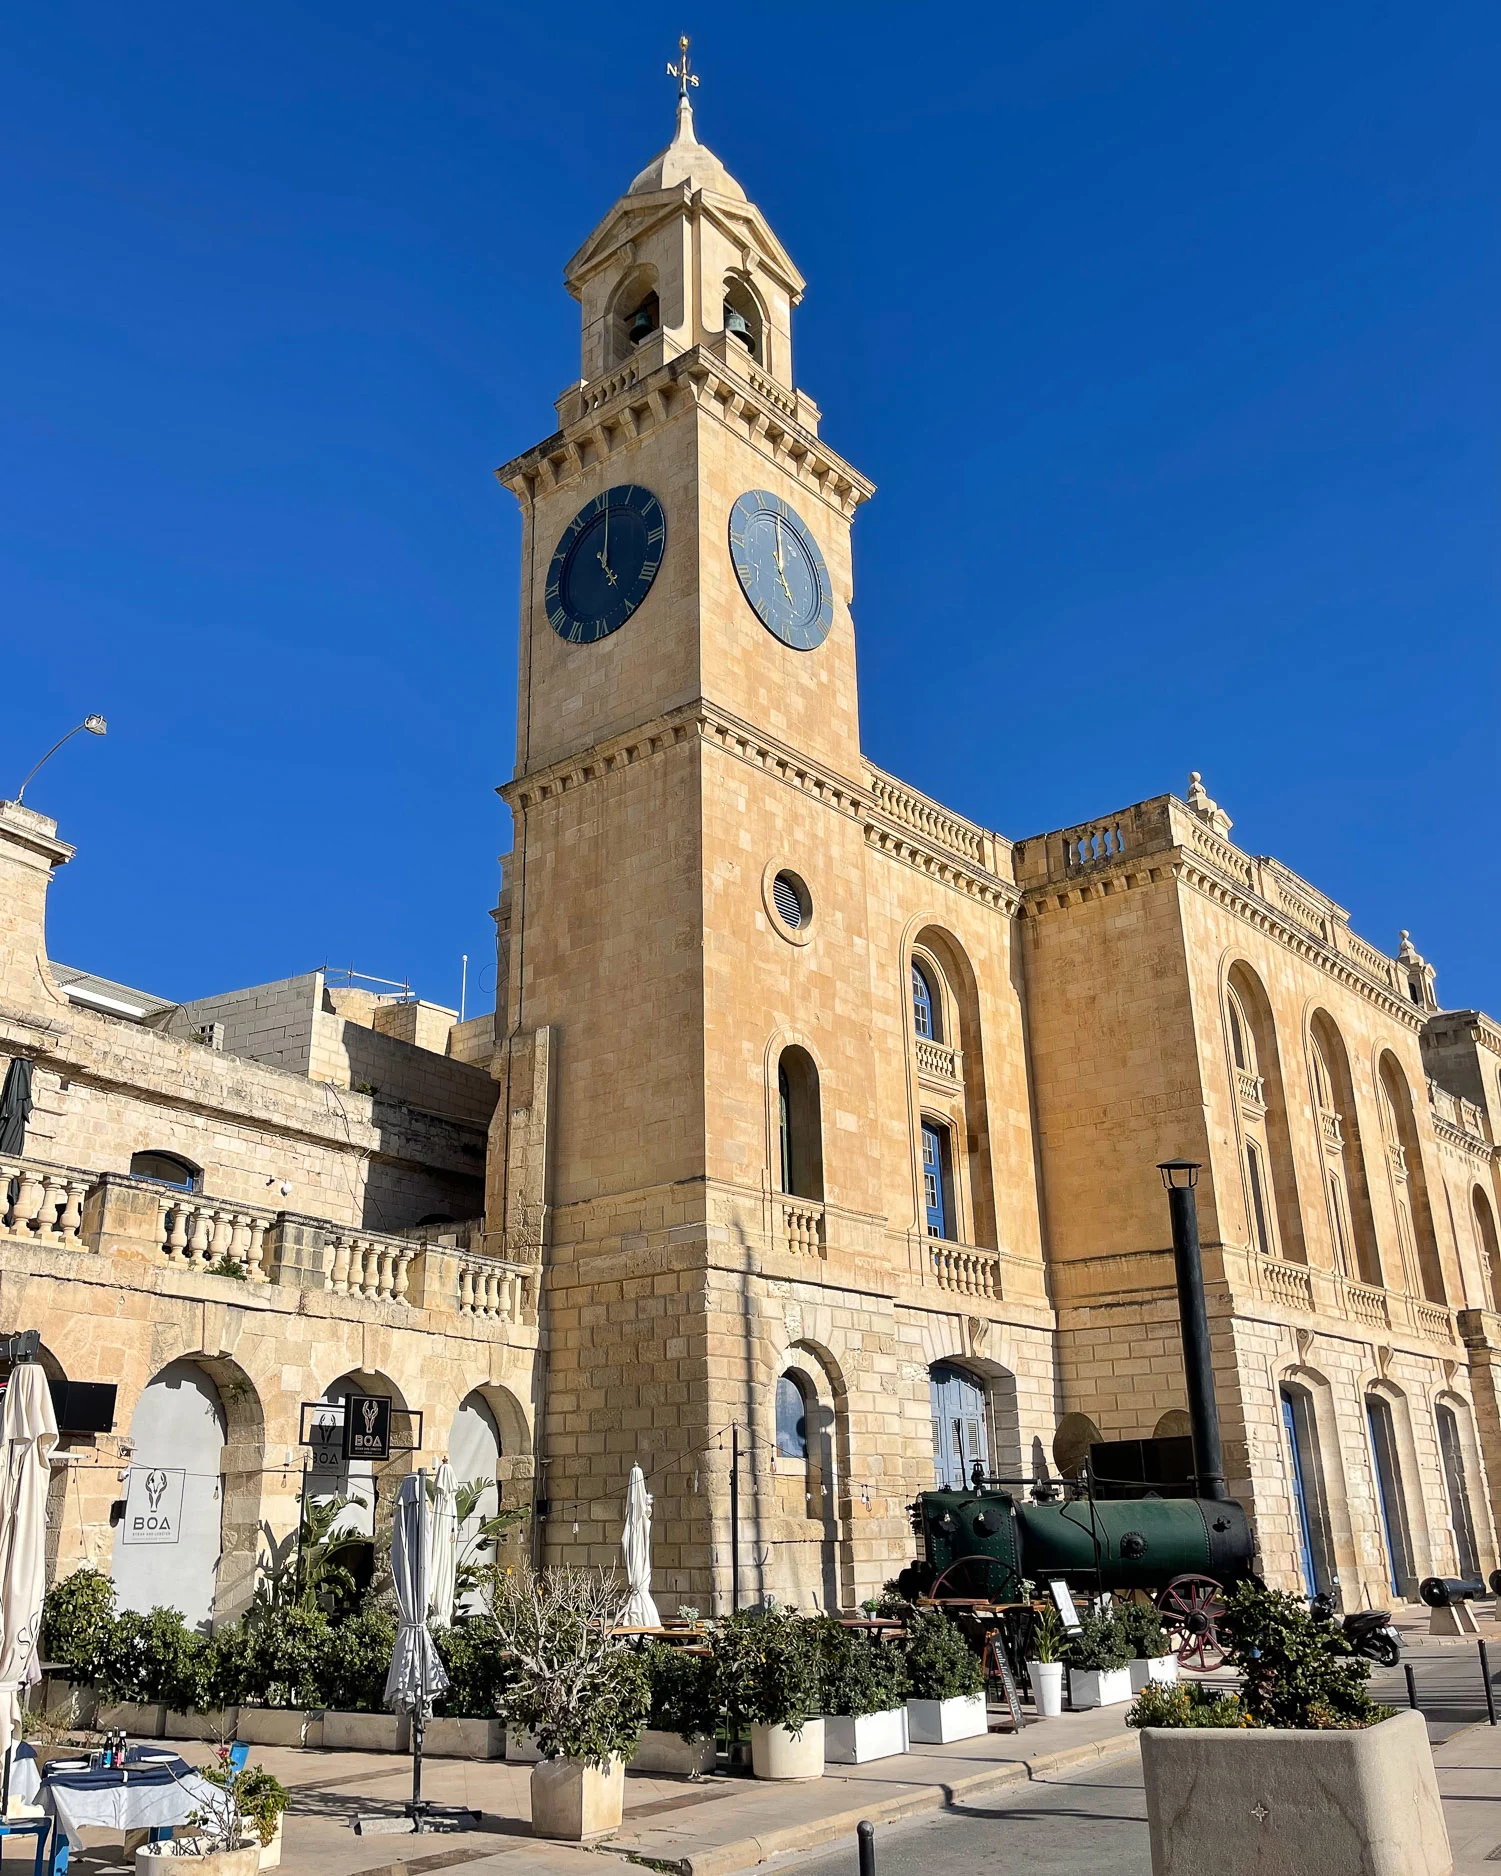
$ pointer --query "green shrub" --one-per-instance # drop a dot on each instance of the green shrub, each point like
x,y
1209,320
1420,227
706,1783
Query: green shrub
x,y
1187,1703
1101,1644
284,1658
1141,1623
859,1674
78,1615
152,1657
356,1658
941,1665
768,1666
684,1691
477,1668
1295,1671
577,1688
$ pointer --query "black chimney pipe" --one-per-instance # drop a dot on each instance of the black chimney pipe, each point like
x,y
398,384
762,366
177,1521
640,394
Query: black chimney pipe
x,y
1180,1177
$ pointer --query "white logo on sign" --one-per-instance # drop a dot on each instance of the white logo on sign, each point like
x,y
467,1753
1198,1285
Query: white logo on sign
x,y
370,1411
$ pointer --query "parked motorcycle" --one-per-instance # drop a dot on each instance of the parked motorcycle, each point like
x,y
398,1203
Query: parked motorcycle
x,y
1368,1631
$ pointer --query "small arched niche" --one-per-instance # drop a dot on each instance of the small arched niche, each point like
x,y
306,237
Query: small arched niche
x,y
1485,1241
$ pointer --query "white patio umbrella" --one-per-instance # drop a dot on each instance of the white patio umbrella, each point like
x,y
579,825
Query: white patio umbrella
x,y
443,1571
416,1677
28,1433
635,1540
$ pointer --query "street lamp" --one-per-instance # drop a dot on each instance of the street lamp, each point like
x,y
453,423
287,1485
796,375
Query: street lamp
x,y
93,723
1180,1176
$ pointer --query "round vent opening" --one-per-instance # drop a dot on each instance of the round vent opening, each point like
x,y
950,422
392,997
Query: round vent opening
x,y
790,897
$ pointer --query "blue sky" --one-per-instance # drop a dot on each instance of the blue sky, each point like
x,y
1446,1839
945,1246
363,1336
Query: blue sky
x,y
1166,331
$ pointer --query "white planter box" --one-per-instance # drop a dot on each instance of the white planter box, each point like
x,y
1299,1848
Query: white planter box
x,y
151,1862
279,1726
271,1852
940,1722
574,1802
137,1722
366,1732
66,1704
671,1753
463,1739
1256,1801
1160,1670
1086,1688
1047,1687
520,1747
776,1753
868,1736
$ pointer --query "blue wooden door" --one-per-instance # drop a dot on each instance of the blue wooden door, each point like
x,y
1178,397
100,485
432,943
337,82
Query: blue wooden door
x,y
960,1435
935,1180
1300,1493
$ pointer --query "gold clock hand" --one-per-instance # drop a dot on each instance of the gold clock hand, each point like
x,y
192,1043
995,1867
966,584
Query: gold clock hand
x,y
781,570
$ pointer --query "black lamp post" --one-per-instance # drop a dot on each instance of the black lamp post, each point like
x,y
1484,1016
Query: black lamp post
x,y
1180,1176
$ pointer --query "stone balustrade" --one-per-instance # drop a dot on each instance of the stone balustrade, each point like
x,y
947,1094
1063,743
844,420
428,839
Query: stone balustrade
x,y
1291,1285
966,1272
1324,1292
205,1232
1398,1158
1252,1090
1329,1128
494,1290
1368,1305
368,1265
801,1227
937,1060
48,1201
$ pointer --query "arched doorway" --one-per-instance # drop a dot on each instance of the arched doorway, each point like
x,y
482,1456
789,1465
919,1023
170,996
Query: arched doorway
x,y
1306,1478
1391,1499
169,1543
961,1430
474,1452
1466,1551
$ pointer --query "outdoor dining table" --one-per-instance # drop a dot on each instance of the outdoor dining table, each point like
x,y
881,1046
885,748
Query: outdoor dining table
x,y
153,1790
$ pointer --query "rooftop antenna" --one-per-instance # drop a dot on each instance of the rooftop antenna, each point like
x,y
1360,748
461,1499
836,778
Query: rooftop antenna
x,y
463,981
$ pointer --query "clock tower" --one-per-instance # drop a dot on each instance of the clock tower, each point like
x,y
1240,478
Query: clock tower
x,y
686,820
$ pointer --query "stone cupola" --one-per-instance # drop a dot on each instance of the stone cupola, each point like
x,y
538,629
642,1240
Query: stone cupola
x,y
684,259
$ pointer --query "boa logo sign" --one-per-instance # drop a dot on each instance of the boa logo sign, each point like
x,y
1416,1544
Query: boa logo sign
x,y
367,1426
153,1505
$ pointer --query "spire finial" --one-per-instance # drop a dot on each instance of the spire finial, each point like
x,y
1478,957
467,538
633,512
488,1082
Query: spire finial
x,y
682,71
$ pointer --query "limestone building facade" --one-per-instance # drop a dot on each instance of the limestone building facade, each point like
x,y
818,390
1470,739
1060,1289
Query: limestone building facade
x,y
815,1136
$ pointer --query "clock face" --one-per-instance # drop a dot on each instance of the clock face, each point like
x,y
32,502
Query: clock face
x,y
605,563
781,571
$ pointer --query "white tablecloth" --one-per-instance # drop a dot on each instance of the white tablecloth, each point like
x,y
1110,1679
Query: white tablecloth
x,y
127,1805
25,1775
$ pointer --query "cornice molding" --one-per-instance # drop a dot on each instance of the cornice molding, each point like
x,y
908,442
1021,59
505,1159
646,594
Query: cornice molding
x,y
624,404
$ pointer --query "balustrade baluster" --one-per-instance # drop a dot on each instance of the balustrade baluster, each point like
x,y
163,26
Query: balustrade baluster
x,y
255,1250
198,1240
28,1200
338,1275
400,1277
70,1224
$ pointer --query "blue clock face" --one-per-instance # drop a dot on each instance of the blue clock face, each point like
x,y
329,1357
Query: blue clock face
x,y
781,571
605,563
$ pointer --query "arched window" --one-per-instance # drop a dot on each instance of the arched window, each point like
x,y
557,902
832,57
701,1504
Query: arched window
x,y
1466,1553
1274,1225
1409,1187
1390,1497
742,318
799,1125
474,1452
927,1010
1352,1228
168,1169
937,1179
961,1433
1485,1239
792,1416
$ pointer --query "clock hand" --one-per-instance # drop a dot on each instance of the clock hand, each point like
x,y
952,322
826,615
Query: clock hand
x,y
781,571
603,556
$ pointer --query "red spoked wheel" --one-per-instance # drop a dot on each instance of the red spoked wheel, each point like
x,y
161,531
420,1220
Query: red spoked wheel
x,y
972,1579
1191,1607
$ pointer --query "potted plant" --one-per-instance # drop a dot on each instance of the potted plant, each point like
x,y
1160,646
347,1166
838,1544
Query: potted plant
x,y
684,1715
236,1834
1097,1657
767,1661
945,1682
578,1690
466,1722
1153,1659
864,1695
1045,1663
1307,1729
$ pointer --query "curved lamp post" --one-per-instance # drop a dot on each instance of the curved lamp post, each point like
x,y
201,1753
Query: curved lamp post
x,y
94,724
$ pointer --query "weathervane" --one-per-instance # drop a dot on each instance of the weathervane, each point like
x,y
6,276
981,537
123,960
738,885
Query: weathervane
x,y
681,71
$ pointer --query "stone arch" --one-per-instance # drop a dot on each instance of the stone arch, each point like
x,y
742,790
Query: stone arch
x,y
744,315
1408,1181
193,1490
369,1486
1269,1184
1337,1118
958,1100
1317,1457
1463,1482
635,294
780,1045
1400,1512
821,1479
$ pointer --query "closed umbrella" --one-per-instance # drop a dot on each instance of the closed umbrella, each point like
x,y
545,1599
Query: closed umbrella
x,y
442,1581
28,1433
15,1106
416,1677
639,1611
